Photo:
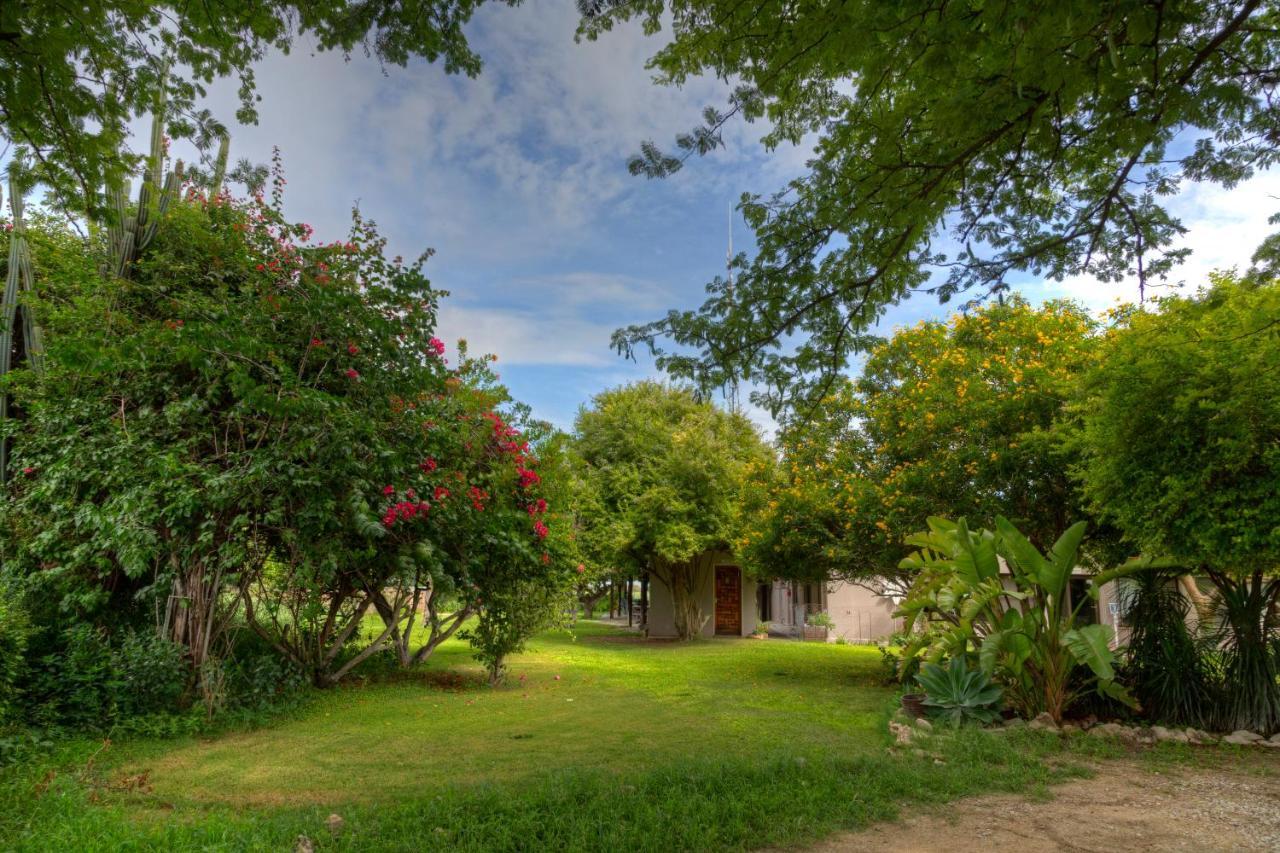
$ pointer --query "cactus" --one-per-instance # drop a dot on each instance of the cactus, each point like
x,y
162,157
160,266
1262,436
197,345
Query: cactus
x,y
130,233
19,282
220,166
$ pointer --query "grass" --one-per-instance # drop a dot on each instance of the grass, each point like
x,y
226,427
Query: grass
x,y
597,743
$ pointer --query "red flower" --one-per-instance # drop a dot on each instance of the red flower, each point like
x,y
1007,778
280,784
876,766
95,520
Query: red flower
x,y
389,490
527,478
436,345
440,494
581,568
353,349
28,470
540,529
428,465
538,507
316,342
352,373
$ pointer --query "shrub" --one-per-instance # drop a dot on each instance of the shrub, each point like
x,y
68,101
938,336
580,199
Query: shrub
x,y
1025,634
14,631
1165,666
152,675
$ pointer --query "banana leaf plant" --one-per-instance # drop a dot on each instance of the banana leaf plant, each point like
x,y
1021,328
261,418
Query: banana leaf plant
x,y
992,598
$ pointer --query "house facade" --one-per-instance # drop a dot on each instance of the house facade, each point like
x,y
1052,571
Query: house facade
x,y
735,605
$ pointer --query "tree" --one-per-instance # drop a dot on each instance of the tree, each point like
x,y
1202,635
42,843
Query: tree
x,y
958,418
1181,428
973,140
669,470
211,421
71,79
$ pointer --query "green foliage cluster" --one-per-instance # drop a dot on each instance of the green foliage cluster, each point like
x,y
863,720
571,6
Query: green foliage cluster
x,y
665,473
980,141
252,429
71,81
1180,449
1020,626
960,418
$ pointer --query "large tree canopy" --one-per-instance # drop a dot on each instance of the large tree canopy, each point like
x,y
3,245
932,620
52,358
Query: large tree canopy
x,y
967,140
73,75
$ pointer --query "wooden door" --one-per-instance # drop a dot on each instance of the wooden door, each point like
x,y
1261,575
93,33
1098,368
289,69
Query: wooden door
x,y
729,600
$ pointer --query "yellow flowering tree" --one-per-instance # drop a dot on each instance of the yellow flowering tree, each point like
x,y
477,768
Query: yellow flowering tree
x,y
958,418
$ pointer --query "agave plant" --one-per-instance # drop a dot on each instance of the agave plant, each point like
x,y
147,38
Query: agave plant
x,y
958,694
1020,626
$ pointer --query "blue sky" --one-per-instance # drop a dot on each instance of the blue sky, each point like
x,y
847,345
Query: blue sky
x,y
518,180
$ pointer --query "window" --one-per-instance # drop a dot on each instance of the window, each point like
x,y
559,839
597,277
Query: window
x,y
764,602
1079,591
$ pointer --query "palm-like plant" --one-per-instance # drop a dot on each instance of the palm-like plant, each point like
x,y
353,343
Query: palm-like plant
x,y
1020,627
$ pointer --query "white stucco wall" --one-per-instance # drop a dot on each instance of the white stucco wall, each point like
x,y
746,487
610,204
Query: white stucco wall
x,y
860,615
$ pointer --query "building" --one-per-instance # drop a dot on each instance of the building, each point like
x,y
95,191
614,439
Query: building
x,y
735,606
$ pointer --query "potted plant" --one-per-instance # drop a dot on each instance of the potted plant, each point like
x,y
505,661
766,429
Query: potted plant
x,y
817,626
761,632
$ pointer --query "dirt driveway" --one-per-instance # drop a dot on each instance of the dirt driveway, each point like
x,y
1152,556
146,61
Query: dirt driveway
x,y
1123,808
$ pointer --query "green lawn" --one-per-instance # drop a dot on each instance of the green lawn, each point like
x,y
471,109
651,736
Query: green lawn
x,y
597,742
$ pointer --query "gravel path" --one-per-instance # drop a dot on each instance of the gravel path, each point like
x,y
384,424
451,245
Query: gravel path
x,y
1123,808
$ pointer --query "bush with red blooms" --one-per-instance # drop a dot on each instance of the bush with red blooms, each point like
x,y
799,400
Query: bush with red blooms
x,y
254,426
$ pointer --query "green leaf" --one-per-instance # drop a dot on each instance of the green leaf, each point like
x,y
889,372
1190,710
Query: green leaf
x,y
1090,646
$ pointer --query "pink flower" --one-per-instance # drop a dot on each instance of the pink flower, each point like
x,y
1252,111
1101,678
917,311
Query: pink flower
x,y
28,470
352,373
436,345
389,490
581,568
540,529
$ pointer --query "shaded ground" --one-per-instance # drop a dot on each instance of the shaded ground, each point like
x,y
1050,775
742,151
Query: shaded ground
x,y
1125,807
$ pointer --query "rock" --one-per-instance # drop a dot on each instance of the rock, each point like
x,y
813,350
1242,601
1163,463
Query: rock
x,y
1270,744
924,725
938,761
1275,738
1200,737
901,733
1112,730
1014,723
1044,723
304,845
1071,729
1242,737
1164,735
334,822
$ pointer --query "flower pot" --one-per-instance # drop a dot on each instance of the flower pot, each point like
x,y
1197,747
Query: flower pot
x,y
913,704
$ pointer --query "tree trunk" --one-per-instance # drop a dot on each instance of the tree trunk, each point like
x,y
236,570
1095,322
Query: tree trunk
x,y
684,581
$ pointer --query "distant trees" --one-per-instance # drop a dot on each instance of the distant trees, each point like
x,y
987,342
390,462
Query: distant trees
x,y
668,471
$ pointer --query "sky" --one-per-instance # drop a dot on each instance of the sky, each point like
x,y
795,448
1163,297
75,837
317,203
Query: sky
x,y
518,180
